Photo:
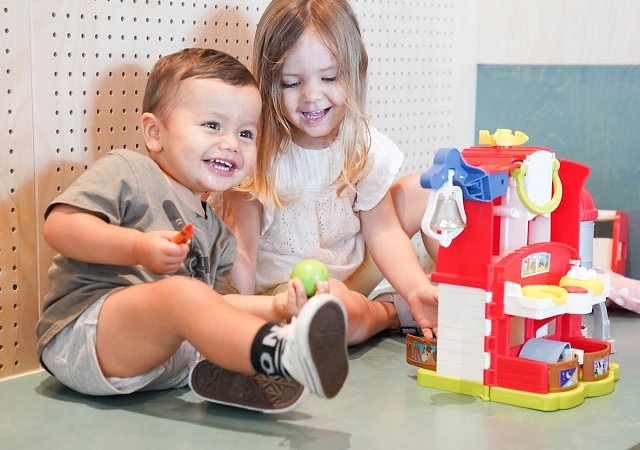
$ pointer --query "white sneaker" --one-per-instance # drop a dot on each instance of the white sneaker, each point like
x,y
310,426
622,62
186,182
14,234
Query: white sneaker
x,y
314,351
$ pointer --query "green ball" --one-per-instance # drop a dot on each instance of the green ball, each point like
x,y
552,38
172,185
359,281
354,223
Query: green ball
x,y
310,271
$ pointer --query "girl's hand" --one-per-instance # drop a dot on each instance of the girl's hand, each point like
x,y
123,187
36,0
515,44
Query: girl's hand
x,y
155,251
423,302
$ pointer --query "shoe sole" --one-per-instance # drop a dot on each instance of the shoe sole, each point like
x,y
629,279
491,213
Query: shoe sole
x,y
258,392
323,348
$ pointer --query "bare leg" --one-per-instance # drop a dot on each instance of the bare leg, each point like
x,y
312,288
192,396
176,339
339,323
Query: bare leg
x,y
367,318
143,325
410,200
364,317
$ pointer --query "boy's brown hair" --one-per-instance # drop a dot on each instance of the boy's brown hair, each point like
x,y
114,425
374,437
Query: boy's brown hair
x,y
170,70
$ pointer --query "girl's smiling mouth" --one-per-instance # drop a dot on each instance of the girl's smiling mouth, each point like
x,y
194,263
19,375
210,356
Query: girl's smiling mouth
x,y
315,115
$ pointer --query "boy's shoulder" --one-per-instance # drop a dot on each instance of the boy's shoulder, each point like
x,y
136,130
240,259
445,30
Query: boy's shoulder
x,y
126,158
130,155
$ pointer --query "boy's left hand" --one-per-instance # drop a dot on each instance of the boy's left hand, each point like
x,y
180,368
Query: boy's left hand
x,y
294,298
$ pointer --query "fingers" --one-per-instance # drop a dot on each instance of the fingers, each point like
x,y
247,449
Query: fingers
x,y
296,295
296,288
429,326
429,333
322,287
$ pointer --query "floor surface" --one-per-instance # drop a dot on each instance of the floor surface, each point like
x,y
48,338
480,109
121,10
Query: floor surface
x,y
380,407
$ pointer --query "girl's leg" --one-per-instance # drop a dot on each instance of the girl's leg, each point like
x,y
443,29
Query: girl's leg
x,y
366,277
410,200
365,318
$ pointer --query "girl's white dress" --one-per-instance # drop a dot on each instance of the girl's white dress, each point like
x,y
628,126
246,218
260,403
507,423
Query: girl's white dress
x,y
315,222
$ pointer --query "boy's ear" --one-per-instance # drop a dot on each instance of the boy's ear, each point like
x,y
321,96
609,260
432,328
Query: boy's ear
x,y
151,129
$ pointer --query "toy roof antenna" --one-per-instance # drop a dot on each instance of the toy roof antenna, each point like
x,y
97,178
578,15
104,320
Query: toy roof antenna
x,y
503,137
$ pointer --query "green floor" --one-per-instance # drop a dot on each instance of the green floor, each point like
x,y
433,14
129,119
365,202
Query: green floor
x,y
381,407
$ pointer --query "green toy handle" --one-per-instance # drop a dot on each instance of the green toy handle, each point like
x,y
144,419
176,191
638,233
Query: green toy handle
x,y
519,174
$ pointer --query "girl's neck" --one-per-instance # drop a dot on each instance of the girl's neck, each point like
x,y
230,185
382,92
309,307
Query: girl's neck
x,y
313,143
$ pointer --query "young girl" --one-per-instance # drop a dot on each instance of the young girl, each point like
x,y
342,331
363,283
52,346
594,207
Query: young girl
x,y
324,184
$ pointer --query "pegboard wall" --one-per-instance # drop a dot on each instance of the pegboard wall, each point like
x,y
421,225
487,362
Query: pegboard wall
x,y
73,76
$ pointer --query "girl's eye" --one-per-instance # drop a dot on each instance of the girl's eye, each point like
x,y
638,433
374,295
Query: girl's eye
x,y
212,125
329,79
290,85
246,134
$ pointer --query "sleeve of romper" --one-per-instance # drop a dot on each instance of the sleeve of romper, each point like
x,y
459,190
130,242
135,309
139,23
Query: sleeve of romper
x,y
385,160
107,189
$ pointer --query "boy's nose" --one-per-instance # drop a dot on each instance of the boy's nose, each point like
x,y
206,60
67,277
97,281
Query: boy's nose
x,y
229,142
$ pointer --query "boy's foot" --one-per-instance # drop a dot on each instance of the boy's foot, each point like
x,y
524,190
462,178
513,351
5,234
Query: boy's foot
x,y
314,351
258,392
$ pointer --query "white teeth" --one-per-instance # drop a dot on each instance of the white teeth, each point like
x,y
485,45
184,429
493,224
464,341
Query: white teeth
x,y
221,164
220,161
315,114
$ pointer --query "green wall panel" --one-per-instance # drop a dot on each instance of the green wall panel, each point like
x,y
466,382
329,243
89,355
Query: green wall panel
x,y
589,114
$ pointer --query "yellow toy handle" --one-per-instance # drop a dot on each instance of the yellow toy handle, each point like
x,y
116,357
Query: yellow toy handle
x,y
519,174
557,294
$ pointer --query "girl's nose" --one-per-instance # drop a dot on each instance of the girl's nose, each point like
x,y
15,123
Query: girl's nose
x,y
311,92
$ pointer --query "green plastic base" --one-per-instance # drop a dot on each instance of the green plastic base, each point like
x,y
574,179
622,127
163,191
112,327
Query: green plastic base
x,y
542,402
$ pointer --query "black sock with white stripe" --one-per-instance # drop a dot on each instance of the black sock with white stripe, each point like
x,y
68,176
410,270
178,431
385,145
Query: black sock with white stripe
x,y
266,350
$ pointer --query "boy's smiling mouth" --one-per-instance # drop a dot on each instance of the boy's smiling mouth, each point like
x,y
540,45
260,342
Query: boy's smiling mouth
x,y
221,165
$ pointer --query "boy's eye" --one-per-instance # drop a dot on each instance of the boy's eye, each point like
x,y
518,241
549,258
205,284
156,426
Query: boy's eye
x,y
212,125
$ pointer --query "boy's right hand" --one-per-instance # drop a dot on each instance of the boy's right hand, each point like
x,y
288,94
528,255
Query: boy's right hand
x,y
156,251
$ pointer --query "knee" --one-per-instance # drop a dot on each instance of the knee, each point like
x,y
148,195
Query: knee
x,y
182,288
353,301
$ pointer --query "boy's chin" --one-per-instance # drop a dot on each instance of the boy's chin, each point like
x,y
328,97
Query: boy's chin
x,y
221,184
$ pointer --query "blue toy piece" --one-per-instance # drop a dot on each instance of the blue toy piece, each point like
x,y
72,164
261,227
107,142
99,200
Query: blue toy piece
x,y
476,183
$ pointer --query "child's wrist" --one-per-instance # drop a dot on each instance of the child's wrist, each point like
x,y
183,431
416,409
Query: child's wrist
x,y
280,307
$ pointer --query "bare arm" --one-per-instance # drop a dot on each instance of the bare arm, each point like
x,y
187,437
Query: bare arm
x,y
243,215
393,253
275,308
79,235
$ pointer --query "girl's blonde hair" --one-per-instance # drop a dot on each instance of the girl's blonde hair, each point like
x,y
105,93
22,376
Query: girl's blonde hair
x,y
281,25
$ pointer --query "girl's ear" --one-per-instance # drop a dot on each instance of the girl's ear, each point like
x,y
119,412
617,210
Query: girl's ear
x,y
151,129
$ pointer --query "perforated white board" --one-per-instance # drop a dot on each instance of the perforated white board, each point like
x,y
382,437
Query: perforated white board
x,y
73,76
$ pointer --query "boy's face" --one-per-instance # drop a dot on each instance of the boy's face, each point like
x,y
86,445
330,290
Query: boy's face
x,y
313,99
207,139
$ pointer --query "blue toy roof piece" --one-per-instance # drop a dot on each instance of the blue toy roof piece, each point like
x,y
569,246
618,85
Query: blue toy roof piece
x,y
475,182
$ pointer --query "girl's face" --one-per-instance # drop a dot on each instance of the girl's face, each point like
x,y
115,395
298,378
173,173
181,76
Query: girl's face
x,y
313,99
207,141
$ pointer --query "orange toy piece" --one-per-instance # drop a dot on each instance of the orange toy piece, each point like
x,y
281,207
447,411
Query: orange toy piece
x,y
184,235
